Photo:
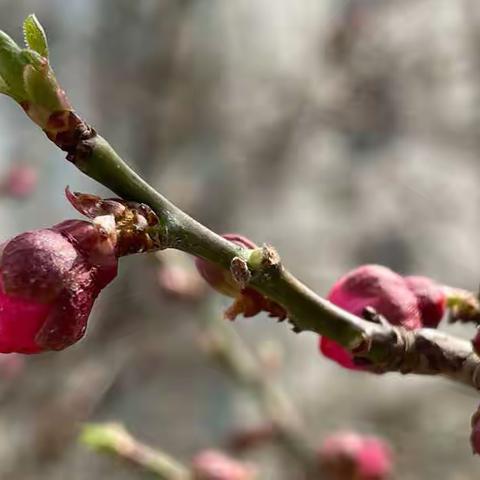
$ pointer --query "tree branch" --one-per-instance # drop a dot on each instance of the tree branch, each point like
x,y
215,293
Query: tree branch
x,y
27,77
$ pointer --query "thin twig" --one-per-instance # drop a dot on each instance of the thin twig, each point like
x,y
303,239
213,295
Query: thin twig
x,y
232,354
115,439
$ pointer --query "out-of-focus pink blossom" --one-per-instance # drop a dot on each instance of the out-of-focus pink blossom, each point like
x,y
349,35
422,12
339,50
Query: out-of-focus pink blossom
x,y
20,181
351,456
49,280
180,283
215,465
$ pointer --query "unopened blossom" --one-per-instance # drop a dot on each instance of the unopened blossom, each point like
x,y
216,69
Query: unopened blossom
x,y
351,456
49,280
377,287
247,301
431,299
215,465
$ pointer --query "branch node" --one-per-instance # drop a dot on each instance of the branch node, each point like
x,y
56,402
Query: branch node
x,y
240,272
265,262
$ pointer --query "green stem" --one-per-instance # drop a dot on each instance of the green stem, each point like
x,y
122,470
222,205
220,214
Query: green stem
x,y
308,310
113,438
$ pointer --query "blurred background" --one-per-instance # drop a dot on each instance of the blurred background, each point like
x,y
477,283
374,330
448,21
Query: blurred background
x,y
341,131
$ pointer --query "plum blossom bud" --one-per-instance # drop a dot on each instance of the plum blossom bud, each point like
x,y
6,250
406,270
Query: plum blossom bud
x,y
431,298
20,181
377,287
214,465
247,301
350,456
49,280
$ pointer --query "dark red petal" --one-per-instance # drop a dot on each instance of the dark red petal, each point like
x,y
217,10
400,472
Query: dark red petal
x,y
36,264
336,352
67,322
431,298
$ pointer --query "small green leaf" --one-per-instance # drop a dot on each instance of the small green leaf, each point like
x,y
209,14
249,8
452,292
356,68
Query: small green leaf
x,y
12,64
35,37
103,436
42,88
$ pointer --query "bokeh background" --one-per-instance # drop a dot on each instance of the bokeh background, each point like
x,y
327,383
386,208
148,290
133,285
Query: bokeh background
x,y
342,132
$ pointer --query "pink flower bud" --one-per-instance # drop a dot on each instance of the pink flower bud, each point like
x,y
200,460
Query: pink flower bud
x,y
350,456
377,287
218,278
214,465
49,280
431,298
247,300
20,181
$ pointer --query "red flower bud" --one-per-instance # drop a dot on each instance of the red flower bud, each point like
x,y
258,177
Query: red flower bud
x,y
214,465
350,456
247,300
431,298
49,279
377,287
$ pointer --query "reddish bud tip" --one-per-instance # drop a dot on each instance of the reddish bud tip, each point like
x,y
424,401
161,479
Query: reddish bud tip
x,y
350,456
49,279
377,287
431,298
214,465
